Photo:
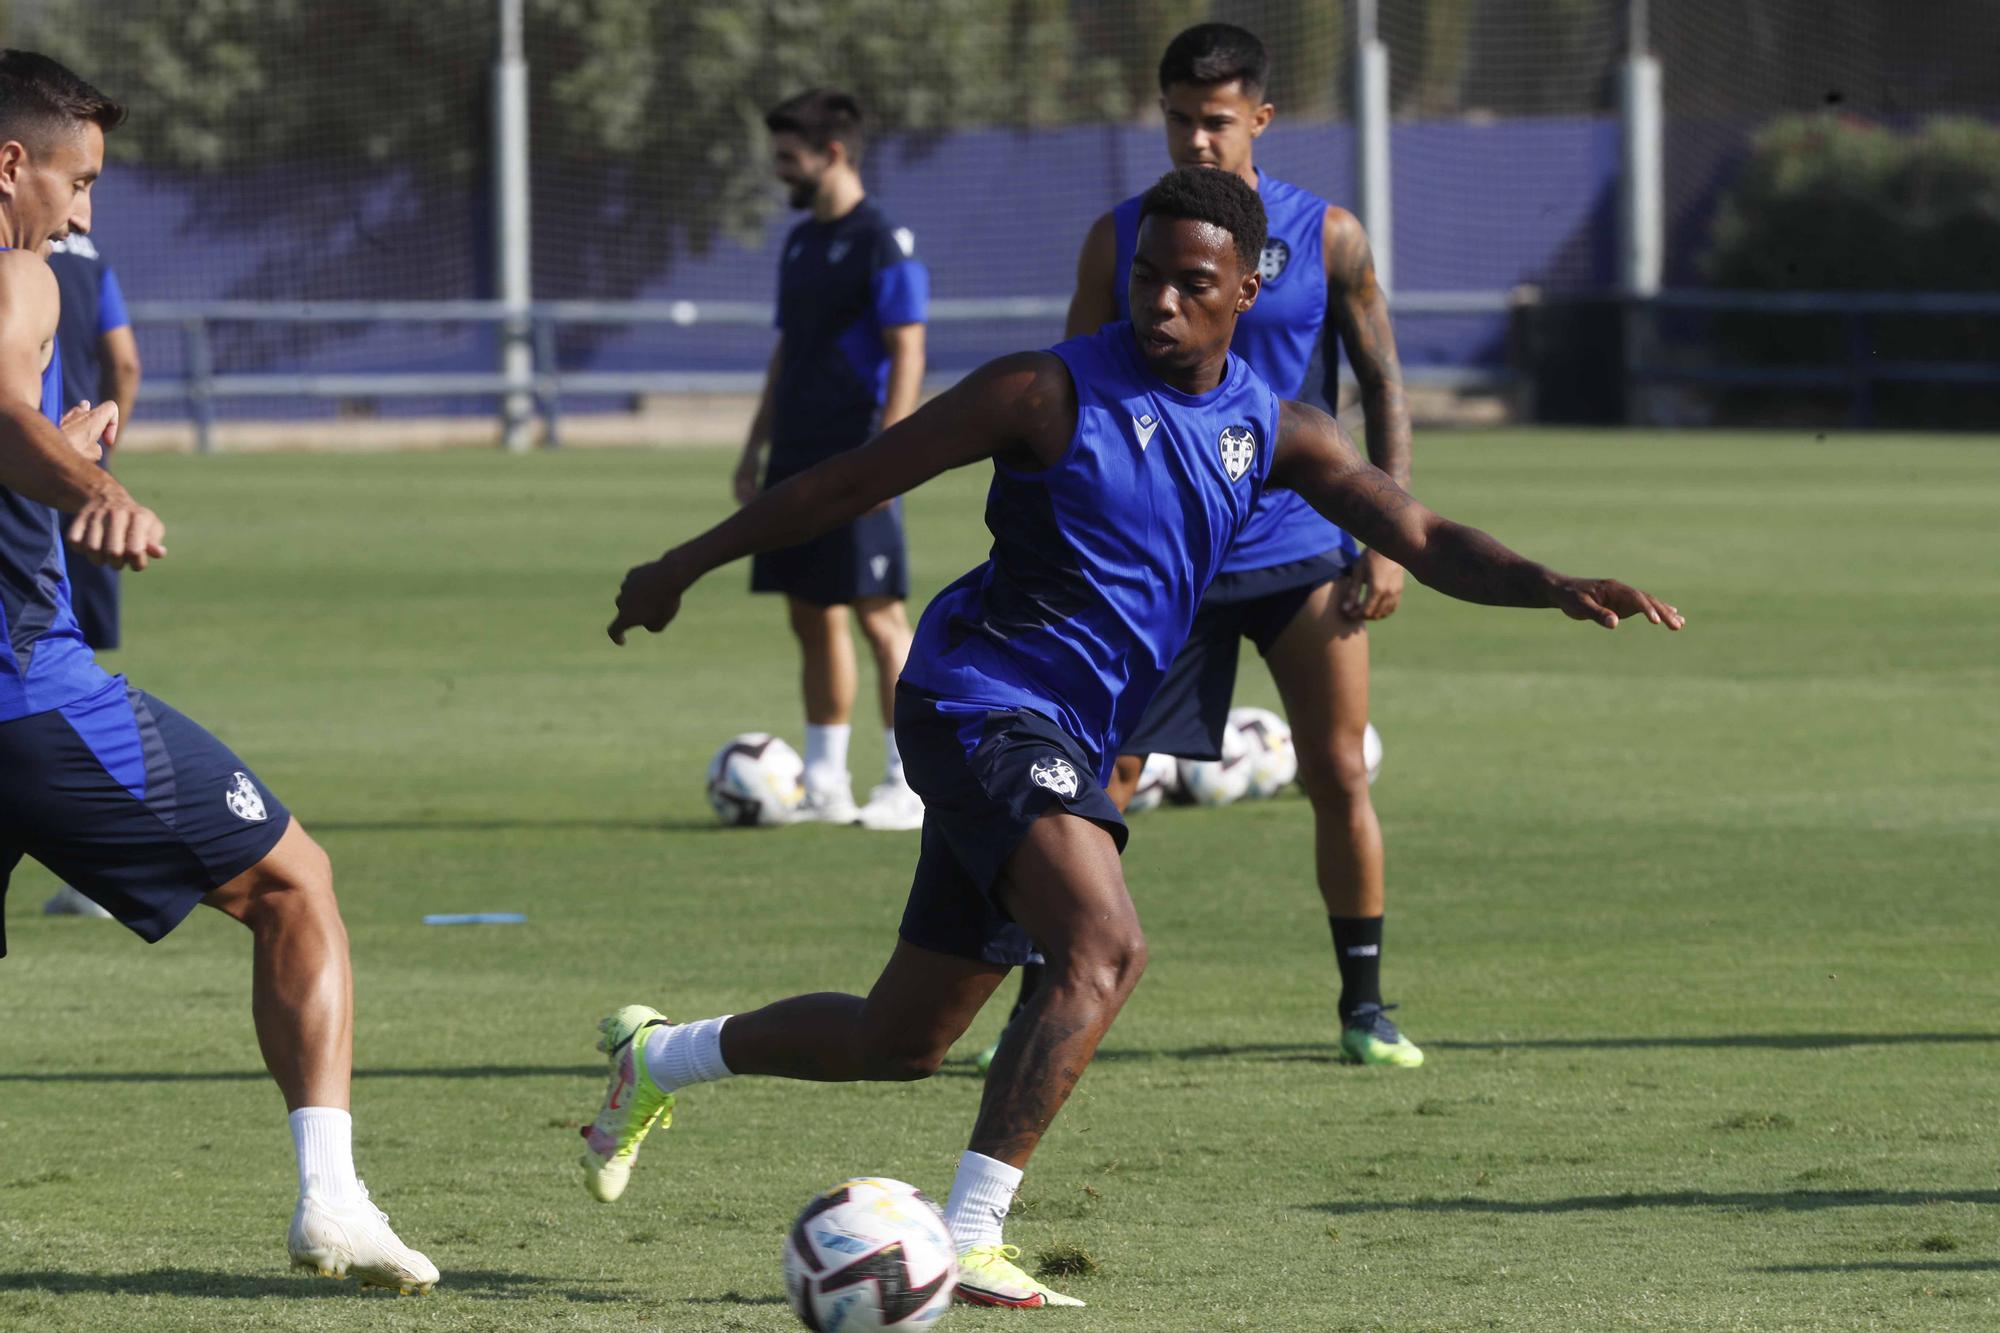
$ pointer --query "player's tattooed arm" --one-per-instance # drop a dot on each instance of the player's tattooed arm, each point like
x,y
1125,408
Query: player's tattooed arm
x,y
1315,458
1358,311
1095,302
1020,409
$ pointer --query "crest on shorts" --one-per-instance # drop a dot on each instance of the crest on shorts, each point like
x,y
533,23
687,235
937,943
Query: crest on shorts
x,y
244,801
1055,774
1239,450
1272,262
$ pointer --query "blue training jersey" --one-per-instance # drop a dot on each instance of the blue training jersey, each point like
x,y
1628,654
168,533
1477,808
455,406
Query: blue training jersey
x,y
44,662
1099,562
840,283
1276,337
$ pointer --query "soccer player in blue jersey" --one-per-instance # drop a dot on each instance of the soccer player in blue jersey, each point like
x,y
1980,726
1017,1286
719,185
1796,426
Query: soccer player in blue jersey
x,y
1295,585
1126,464
852,297
125,799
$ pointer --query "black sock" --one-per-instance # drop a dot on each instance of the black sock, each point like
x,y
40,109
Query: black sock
x,y
1357,947
1031,977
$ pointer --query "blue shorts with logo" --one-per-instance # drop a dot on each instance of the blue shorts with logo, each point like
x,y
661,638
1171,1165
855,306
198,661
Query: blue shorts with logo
x,y
131,803
985,775
855,561
1189,713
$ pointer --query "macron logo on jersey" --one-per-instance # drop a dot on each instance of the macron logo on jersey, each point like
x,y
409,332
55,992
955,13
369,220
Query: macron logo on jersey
x,y
1143,427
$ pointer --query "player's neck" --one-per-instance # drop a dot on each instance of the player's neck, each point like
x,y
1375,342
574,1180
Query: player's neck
x,y
10,236
1195,380
1247,173
842,195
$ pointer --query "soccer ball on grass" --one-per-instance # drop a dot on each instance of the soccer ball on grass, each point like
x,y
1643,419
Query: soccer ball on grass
x,y
870,1254
755,779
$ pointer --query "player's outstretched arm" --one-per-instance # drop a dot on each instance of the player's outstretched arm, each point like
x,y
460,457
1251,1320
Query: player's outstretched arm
x,y
1020,407
1315,458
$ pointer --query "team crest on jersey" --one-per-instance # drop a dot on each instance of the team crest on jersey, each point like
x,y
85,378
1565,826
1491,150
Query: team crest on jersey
x,y
1272,262
837,251
798,248
906,241
243,799
1056,775
1239,451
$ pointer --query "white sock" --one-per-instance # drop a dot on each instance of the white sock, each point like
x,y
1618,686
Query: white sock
x,y
981,1193
826,753
686,1053
894,773
324,1139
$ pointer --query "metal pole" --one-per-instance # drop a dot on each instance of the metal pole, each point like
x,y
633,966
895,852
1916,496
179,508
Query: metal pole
x,y
1371,141
510,216
201,383
1642,189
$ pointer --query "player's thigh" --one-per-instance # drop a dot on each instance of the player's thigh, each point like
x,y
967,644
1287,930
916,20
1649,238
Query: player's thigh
x,y
1065,885
882,617
1320,666
295,875
814,623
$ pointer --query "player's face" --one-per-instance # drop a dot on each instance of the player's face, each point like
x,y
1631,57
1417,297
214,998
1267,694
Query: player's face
x,y
1213,125
48,193
798,167
1188,287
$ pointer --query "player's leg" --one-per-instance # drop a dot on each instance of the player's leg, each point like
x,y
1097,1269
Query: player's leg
x,y
829,680
1125,776
1319,662
885,624
1066,888
302,1000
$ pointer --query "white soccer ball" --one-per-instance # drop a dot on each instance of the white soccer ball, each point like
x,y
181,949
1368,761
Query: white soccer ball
x,y
1371,750
870,1254
755,779
1274,761
1218,781
1157,781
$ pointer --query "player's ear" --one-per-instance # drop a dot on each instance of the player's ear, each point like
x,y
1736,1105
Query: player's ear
x,y
1260,120
1246,296
13,156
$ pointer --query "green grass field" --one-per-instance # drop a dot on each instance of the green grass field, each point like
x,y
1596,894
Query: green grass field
x,y
1699,931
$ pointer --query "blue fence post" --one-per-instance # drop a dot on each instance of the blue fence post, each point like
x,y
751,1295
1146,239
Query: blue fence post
x,y
1860,375
201,383
548,382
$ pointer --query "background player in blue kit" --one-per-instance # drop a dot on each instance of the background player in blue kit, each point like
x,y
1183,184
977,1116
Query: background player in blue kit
x,y
128,801
849,360
1295,585
100,361
1026,676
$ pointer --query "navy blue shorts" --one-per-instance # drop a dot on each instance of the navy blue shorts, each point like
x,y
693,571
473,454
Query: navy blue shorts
x,y
131,803
858,560
1191,710
986,775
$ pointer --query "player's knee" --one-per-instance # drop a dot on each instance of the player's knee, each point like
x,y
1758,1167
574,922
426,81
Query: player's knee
x,y
1109,967
1334,771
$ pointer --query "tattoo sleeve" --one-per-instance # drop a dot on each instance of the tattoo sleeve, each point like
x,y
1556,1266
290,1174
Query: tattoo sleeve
x,y
1359,310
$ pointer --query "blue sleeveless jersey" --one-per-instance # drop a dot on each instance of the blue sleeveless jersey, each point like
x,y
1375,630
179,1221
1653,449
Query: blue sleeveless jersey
x,y
44,662
1099,562
1277,338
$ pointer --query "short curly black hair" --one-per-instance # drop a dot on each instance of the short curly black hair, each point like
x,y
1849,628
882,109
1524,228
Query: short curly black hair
x,y
1207,194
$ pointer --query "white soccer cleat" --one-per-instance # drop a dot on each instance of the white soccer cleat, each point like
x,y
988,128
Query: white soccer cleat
x,y
338,1238
826,803
892,806
68,902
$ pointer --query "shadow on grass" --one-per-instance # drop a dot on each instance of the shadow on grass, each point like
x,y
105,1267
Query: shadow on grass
x,y
734,1298
1790,1201
595,1071
1890,1266
451,824
1323,1052
477,1283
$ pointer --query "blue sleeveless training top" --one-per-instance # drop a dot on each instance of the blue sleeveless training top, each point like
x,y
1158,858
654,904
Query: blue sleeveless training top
x,y
1099,562
44,662
1277,338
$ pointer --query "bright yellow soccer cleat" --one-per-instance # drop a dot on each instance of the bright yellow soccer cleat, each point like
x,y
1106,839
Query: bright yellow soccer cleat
x,y
633,1103
988,1275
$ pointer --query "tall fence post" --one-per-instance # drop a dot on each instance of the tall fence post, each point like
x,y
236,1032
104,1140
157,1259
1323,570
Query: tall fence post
x,y
511,237
1371,141
1641,206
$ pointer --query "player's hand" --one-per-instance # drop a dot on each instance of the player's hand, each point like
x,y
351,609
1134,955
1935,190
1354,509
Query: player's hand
x,y
116,530
1372,587
649,599
91,431
744,483
1606,600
